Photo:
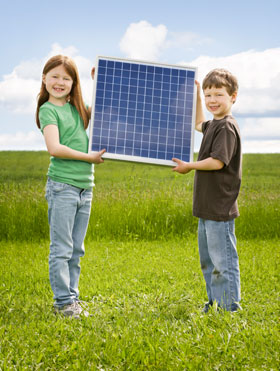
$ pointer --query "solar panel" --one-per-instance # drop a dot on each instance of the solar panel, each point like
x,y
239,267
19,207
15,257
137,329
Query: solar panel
x,y
143,111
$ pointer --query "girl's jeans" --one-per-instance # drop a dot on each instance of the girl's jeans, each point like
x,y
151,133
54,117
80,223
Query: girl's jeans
x,y
68,212
219,262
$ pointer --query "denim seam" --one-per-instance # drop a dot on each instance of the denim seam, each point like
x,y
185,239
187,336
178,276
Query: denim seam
x,y
53,241
202,228
229,263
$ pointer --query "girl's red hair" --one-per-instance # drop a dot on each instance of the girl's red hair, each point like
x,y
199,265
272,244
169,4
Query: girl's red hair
x,y
76,98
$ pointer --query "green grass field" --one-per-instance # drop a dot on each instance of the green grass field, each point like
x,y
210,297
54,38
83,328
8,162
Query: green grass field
x,y
140,276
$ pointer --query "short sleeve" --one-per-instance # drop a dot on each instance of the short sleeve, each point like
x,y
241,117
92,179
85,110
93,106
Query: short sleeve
x,y
47,117
224,144
205,125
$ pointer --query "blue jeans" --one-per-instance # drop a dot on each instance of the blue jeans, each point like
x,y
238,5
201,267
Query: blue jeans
x,y
219,262
68,212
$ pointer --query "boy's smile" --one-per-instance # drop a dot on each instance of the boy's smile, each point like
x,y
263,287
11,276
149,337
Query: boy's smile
x,y
219,102
58,84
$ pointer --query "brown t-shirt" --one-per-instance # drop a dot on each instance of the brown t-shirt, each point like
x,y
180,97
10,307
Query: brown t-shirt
x,y
215,192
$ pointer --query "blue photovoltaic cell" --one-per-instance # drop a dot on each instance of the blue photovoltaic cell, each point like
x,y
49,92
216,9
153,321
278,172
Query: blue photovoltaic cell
x,y
142,111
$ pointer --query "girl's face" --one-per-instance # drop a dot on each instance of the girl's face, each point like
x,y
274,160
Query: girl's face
x,y
58,84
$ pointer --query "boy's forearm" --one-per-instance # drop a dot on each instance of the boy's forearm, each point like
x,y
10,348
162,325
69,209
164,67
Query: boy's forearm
x,y
207,164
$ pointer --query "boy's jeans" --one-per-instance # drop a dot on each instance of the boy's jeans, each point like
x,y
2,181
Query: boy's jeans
x,y
219,262
68,212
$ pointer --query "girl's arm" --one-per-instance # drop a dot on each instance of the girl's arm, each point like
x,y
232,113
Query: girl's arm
x,y
56,149
206,165
92,76
200,118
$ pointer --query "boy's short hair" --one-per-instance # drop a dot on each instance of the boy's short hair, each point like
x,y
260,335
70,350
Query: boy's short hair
x,y
220,77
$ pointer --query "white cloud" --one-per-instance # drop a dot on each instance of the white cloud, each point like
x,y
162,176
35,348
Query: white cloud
x,y
185,40
258,135
261,128
143,41
256,69
258,102
32,140
18,94
258,74
261,146
146,42
19,89
71,51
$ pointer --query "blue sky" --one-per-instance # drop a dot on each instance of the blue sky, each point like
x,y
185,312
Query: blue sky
x,y
242,36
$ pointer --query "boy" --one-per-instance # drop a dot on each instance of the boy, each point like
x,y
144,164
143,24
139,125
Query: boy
x,y
216,187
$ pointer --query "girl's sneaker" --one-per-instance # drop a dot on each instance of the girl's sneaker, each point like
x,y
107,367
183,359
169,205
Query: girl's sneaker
x,y
71,310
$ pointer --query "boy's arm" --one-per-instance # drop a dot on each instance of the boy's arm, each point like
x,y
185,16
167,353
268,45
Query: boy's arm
x,y
209,164
199,118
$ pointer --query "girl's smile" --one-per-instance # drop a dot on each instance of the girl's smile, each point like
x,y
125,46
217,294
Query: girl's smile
x,y
58,84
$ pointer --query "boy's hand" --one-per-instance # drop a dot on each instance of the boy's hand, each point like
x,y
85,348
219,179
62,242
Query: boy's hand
x,y
182,167
197,83
95,158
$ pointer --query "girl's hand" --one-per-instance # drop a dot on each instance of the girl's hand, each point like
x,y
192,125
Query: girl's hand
x,y
92,73
182,167
95,158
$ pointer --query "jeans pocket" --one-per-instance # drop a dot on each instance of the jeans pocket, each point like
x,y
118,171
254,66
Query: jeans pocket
x,y
58,187
88,195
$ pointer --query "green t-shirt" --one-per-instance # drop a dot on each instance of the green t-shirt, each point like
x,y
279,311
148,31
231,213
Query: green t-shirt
x,y
71,134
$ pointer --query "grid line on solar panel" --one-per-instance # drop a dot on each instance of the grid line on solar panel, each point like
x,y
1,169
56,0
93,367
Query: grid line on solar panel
x,y
143,110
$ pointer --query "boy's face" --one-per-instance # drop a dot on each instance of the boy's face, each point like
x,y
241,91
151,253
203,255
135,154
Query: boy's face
x,y
218,101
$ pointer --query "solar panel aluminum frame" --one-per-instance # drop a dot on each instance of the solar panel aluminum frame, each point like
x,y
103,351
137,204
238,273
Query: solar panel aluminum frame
x,y
133,158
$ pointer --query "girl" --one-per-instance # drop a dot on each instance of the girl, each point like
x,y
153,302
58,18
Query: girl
x,y
63,119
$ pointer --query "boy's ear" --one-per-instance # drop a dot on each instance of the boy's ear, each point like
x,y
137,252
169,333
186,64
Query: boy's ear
x,y
233,97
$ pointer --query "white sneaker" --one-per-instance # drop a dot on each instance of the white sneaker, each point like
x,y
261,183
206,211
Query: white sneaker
x,y
83,306
71,310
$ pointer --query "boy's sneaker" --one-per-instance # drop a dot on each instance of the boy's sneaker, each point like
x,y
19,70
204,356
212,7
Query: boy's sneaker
x,y
207,306
71,310
235,307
